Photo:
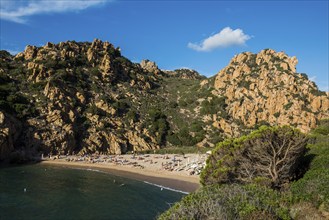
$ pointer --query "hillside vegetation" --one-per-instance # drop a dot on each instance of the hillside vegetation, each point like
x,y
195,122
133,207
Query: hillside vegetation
x,y
304,196
82,97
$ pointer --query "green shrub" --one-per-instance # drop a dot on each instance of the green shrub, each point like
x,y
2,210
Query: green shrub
x,y
184,138
38,86
182,103
93,110
261,123
322,128
216,136
157,125
173,104
121,106
317,92
288,106
174,140
196,126
50,64
132,115
16,103
277,114
304,75
213,106
245,84
230,202
274,153
314,187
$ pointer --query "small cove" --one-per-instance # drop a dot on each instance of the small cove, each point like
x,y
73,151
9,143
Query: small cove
x,y
64,193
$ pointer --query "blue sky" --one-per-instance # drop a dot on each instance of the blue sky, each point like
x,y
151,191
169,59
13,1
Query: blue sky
x,y
201,35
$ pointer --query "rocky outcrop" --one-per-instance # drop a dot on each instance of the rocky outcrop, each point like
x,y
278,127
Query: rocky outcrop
x,y
184,74
79,107
54,130
10,130
265,87
150,66
138,143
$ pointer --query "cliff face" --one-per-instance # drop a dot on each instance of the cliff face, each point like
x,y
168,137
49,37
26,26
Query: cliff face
x,y
77,92
10,130
87,98
265,87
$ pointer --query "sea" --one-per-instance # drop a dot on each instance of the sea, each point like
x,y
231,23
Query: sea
x,y
48,192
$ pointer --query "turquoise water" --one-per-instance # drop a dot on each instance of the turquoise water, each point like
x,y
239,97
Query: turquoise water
x,y
50,192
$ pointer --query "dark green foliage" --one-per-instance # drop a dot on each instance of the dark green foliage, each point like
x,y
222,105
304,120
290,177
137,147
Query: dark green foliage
x,y
121,106
273,153
196,126
78,61
252,61
276,114
182,138
50,64
314,187
13,101
38,86
288,106
4,79
304,75
187,136
4,54
322,128
276,59
216,136
122,61
95,71
245,84
213,106
95,88
174,140
317,92
306,108
173,104
132,115
158,125
92,109
278,67
261,123
230,202
62,77
182,103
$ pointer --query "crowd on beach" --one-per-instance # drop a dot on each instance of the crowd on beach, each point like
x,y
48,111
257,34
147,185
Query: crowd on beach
x,y
188,164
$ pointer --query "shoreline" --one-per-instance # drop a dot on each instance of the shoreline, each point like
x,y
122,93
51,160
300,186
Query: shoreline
x,y
173,180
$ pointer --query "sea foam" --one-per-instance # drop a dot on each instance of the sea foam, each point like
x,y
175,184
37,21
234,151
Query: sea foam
x,y
167,188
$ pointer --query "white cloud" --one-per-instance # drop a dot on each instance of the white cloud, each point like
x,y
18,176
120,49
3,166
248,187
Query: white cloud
x,y
19,10
225,38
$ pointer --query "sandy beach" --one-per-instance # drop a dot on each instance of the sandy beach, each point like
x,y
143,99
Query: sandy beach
x,y
179,172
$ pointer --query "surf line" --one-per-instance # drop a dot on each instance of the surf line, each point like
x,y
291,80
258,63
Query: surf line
x,y
86,169
167,188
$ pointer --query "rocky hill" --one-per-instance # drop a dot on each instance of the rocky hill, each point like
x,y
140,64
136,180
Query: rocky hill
x,y
87,98
265,88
